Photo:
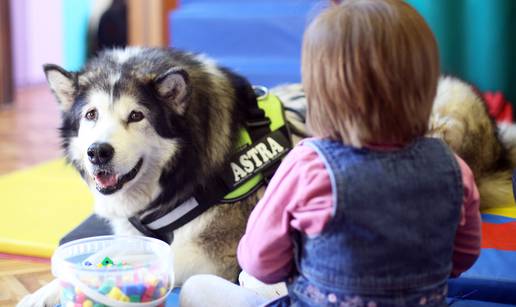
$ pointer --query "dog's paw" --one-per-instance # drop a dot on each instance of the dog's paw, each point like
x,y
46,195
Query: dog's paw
x,y
47,296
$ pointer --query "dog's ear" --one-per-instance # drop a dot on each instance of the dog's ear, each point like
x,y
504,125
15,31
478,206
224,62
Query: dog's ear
x,y
62,84
174,86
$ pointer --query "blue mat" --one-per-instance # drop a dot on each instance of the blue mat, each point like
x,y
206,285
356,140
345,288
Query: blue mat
x,y
490,279
493,276
473,303
258,39
173,299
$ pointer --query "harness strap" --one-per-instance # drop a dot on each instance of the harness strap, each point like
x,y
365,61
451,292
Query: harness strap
x,y
160,224
257,122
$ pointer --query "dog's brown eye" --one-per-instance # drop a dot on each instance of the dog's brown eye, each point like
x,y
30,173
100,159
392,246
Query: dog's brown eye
x,y
135,116
91,115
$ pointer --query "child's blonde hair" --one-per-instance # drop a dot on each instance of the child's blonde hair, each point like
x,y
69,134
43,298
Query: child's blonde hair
x,y
370,70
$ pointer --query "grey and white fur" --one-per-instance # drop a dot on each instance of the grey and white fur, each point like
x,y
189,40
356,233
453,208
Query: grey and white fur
x,y
461,118
147,125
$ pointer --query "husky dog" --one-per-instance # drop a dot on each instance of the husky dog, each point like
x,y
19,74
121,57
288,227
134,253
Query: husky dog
x,y
146,127
460,117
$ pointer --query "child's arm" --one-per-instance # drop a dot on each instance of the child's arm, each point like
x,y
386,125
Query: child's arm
x,y
298,198
468,236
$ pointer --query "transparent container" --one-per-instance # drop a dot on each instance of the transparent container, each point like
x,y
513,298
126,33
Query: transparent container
x,y
114,271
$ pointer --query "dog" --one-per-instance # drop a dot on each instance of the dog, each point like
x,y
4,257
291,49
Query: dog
x,y
147,128
461,118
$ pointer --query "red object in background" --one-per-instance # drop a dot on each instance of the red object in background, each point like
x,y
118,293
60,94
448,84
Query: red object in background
x,y
499,236
498,106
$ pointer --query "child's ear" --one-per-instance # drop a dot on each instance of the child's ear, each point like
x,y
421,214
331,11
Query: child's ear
x,y
62,84
174,86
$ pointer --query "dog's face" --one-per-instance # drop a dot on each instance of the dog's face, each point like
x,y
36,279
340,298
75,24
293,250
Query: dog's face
x,y
111,144
116,133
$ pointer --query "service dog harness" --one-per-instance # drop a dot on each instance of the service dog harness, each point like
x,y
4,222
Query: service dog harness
x,y
263,142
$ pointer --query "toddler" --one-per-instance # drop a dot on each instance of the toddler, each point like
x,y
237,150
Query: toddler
x,y
368,212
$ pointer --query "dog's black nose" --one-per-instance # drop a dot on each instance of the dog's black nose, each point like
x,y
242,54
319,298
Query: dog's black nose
x,y
100,153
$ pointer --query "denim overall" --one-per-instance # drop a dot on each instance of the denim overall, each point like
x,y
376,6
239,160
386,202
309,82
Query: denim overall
x,y
390,240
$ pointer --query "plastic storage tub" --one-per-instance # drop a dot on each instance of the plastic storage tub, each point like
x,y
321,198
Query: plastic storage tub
x,y
114,271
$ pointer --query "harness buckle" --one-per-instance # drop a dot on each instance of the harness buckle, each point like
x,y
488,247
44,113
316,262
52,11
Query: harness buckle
x,y
260,91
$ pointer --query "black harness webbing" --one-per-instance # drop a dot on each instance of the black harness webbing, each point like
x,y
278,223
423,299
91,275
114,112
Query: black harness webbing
x,y
153,222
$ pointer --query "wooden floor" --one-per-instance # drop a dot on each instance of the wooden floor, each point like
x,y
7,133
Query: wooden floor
x,y
28,136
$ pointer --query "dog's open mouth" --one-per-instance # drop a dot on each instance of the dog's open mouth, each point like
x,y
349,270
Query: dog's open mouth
x,y
108,182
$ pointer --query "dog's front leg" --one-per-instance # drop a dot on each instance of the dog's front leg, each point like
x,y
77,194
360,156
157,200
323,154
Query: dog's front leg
x,y
195,255
190,260
46,296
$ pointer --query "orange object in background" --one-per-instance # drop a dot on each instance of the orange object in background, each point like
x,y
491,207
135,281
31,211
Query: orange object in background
x,y
499,236
148,22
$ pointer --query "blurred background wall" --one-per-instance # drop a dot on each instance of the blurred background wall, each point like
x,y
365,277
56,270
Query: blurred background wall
x,y
477,40
66,32
259,38
37,38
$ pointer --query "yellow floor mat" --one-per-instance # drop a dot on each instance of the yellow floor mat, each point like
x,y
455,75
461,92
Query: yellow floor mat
x,y
39,205
509,211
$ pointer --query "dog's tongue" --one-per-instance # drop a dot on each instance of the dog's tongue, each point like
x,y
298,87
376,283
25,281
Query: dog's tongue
x,y
105,180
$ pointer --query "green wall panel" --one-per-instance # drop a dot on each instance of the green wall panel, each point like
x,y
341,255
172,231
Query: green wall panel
x,y
75,31
476,40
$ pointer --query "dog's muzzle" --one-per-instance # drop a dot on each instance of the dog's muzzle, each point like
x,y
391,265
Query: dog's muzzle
x,y
107,182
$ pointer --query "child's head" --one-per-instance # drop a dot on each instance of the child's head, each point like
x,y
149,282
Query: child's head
x,y
370,70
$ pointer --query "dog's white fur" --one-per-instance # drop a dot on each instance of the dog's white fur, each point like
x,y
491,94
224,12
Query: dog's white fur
x,y
141,140
131,142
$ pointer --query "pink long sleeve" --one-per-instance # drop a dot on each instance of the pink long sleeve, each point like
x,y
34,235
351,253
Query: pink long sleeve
x,y
299,197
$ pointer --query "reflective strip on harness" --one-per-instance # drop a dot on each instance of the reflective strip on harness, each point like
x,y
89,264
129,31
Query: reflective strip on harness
x,y
174,215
